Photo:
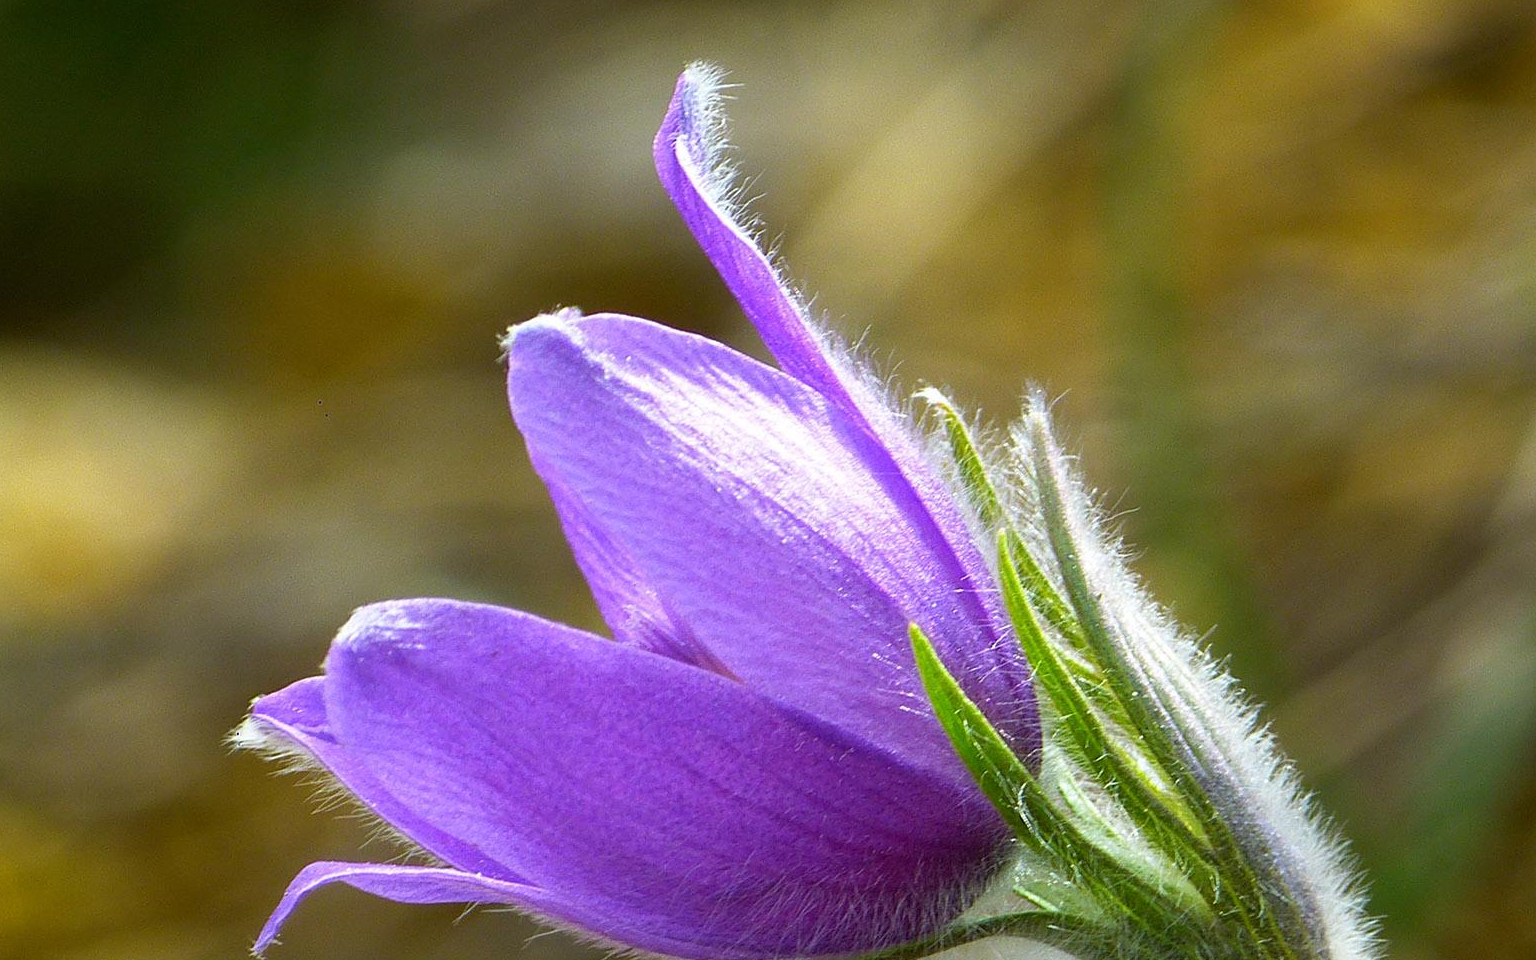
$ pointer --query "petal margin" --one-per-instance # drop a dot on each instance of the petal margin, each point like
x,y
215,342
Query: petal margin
x,y
748,505
403,884
660,805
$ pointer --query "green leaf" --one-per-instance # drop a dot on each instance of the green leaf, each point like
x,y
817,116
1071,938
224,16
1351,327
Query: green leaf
x,y
1161,871
1167,821
1130,889
973,473
1043,594
984,496
1002,776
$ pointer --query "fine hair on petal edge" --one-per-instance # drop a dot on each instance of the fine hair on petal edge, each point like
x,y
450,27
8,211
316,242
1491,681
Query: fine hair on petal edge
x,y
874,916
704,84
874,919
328,793
724,186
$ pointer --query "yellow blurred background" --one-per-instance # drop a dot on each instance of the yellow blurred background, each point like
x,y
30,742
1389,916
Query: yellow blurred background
x,y
1278,258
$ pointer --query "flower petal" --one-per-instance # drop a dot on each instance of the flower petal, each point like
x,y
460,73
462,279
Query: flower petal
x,y
688,155
749,507
687,152
297,714
661,805
402,884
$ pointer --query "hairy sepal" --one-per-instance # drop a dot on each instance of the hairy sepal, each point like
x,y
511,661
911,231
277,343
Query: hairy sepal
x,y
1136,896
1153,760
1280,879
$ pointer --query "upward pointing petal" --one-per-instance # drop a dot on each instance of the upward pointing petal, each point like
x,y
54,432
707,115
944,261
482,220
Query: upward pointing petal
x,y
688,155
688,152
688,159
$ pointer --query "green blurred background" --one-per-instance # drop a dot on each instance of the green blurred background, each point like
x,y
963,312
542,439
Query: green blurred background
x,y
1279,258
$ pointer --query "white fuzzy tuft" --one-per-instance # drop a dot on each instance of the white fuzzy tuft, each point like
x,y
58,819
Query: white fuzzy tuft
x,y
709,146
709,151
253,736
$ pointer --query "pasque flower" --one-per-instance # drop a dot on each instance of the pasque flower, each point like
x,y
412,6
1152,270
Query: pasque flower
x,y
749,766
813,730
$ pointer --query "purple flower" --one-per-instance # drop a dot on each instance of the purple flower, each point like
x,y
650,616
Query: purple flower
x,y
749,767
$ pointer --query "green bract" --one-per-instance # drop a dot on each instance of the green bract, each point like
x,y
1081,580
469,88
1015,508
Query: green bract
x,y
1159,821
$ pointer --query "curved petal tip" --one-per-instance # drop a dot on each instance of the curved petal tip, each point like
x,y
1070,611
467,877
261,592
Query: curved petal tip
x,y
695,122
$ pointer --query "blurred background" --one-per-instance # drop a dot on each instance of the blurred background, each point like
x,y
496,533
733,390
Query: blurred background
x,y
1278,258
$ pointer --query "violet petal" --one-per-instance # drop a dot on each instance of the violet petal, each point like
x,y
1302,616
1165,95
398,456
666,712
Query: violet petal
x,y
747,503
687,152
297,714
667,807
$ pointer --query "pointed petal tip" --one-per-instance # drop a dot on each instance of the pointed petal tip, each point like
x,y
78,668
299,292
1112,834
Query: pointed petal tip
x,y
542,352
401,883
703,76
298,704
700,88
690,158
278,724
691,143
412,884
268,936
